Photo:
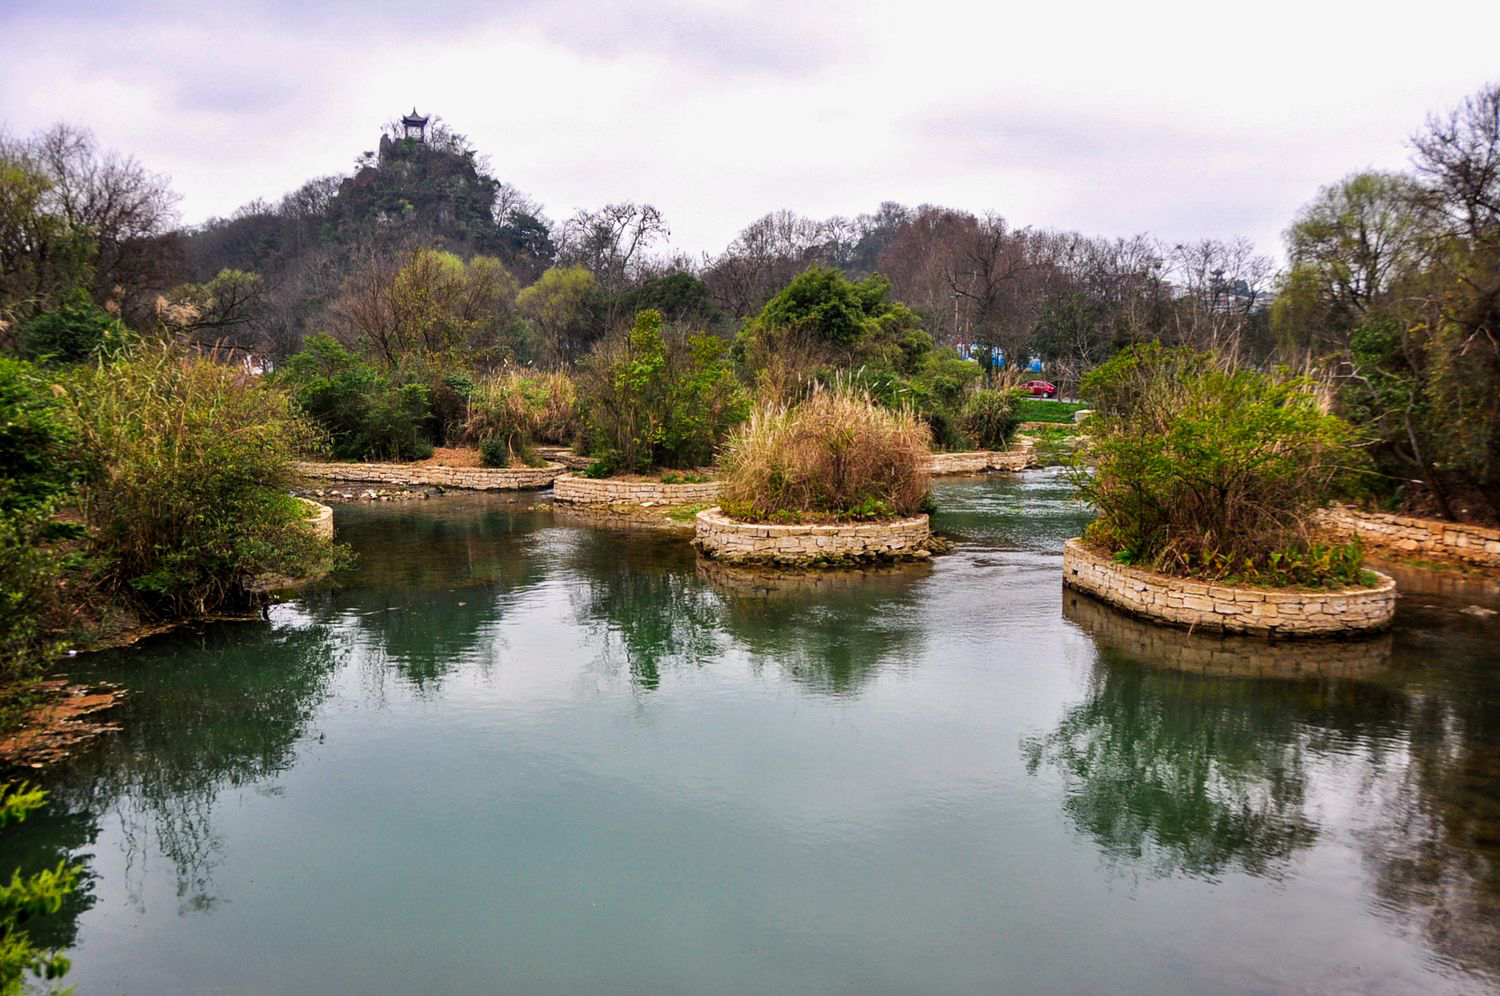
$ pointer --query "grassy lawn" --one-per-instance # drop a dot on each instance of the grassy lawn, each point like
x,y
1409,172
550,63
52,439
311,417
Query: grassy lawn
x,y
1054,444
1042,410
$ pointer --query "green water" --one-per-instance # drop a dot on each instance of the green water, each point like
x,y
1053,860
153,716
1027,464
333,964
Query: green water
x,y
515,752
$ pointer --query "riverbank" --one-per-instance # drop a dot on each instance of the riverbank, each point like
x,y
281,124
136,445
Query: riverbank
x,y
603,691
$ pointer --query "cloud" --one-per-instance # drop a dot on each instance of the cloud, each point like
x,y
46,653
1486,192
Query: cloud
x,y
1108,118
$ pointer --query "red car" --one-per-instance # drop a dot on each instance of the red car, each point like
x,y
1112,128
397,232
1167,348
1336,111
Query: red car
x,y
1041,388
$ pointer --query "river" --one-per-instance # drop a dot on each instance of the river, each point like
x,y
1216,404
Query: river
x,y
513,751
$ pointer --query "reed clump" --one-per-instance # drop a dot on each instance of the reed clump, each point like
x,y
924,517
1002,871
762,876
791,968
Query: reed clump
x,y
510,412
835,457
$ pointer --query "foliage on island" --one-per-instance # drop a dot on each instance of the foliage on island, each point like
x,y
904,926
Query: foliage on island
x,y
152,487
422,301
836,457
510,412
184,481
657,397
36,448
1203,469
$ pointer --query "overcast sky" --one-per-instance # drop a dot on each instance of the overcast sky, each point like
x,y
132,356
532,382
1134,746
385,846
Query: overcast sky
x,y
1187,120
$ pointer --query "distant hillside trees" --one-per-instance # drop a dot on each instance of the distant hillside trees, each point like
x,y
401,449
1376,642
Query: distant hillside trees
x,y
411,196
430,306
72,217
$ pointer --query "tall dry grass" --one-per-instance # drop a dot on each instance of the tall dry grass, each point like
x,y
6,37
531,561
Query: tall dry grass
x,y
522,409
836,456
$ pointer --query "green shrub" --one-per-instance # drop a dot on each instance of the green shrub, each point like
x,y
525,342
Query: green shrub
x,y
22,898
35,452
936,392
73,332
448,394
836,456
1209,471
821,322
654,399
364,411
28,593
494,452
989,417
186,468
599,469
34,439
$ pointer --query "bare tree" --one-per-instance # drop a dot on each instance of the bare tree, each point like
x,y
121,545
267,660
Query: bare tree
x,y
1221,288
70,212
125,208
612,244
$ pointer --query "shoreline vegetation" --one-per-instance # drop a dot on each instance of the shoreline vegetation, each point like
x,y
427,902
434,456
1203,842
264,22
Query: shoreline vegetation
x,y
159,385
149,489
160,382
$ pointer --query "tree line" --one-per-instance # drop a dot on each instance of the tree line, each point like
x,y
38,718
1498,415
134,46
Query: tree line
x,y
1389,293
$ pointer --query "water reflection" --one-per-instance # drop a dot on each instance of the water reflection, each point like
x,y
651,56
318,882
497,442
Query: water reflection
x,y
770,774
636,593
829,631
1190,754
1432,844
215,710
432,581
1199,755
1118,635
1171,773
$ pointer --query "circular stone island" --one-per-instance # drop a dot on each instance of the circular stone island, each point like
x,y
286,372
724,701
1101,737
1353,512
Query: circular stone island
x,y
812,544
1222,608
571,489
319,517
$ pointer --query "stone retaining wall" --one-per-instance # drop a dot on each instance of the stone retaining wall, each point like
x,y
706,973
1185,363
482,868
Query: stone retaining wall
x,y
1426,539
415,475
565,456
630,518
1225,608
574,490
790,584
320,517
726,539
1223,655
1018,457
